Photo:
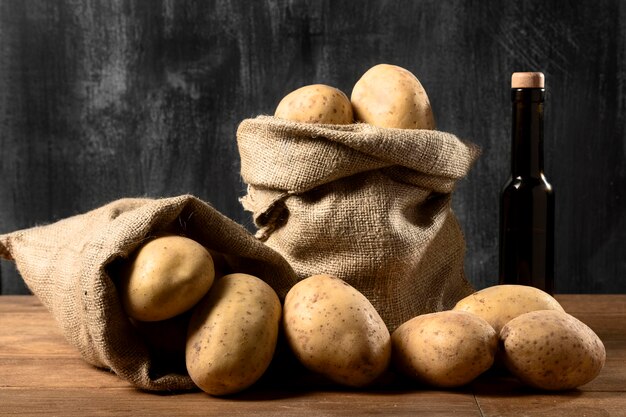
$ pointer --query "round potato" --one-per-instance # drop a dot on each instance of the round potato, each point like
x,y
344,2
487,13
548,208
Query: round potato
x,y
444,349
552,350
166,277
317,103
335,331
500,303
233,334
391,96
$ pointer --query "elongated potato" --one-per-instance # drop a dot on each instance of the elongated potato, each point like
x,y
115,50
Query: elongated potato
x,y
167,276
552,350
391,96
501,303
444,349
232,334
335,331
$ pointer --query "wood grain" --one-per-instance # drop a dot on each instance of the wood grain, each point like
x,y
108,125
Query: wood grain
x,y
116,402
41,375
107,99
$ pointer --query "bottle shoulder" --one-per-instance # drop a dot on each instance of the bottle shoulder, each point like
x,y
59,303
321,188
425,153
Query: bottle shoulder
x,y
537,183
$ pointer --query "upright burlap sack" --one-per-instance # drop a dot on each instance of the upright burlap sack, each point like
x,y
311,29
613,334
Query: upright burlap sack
x,y
366,204
68,265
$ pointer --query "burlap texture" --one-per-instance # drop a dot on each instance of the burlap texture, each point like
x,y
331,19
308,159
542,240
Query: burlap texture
x,y
366,204
67,265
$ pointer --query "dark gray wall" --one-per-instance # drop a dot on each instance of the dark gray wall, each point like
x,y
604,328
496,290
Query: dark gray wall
x,y
107,99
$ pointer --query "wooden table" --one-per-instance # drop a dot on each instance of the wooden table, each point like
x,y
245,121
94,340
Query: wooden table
x,y
40,374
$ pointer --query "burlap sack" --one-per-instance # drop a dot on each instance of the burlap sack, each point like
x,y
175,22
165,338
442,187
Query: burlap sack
x,y
68,265
366,204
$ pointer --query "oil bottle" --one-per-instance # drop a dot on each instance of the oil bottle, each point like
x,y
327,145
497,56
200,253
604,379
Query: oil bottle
x,y
526,250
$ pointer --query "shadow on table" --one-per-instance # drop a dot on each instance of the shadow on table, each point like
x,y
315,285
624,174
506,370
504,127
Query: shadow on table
x,y
501,384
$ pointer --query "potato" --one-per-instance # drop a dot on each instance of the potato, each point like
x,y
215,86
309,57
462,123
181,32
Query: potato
x,y
232,334
444,349
391,96
317,103
166,277
500,303
335,331
552,350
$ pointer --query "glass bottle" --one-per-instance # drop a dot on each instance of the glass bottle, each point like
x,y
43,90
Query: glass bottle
x,y
527,200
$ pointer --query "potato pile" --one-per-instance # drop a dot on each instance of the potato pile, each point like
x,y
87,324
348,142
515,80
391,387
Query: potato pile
x,y
225,327
386,95
334,331
524,327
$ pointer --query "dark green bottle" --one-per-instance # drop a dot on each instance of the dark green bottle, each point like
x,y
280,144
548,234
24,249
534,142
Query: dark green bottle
x,y
527,200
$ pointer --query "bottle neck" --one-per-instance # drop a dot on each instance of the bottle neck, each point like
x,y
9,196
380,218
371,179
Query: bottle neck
x,y
527,134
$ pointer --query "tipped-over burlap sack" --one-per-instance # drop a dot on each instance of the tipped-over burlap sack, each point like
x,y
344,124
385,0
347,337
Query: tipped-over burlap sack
x,y
366,204
68,265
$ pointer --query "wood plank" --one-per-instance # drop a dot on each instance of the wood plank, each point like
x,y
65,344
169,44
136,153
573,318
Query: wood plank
x,y
34,373
509,398
603,313
38,332
41,375
613,375
122,402
20,303
593,303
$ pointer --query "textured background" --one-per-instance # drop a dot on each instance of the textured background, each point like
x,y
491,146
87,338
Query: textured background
x,y
107,99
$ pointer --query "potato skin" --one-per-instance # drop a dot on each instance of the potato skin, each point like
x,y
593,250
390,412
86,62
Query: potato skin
x,y
165,277
232,334
316,103
500,303
335,331
444,349
551,350
392,97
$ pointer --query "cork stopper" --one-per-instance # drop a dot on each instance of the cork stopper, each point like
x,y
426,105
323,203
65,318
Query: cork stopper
x,y
527,80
